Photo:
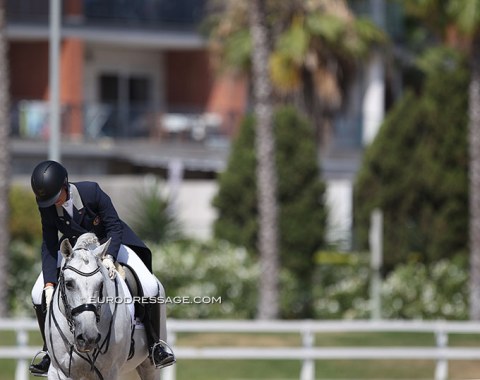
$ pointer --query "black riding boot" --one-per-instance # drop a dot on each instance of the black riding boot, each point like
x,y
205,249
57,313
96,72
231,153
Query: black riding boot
x,y
41,368
159,355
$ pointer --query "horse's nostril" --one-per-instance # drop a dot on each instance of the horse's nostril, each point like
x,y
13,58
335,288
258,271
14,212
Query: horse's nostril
x,y
99,336
80,338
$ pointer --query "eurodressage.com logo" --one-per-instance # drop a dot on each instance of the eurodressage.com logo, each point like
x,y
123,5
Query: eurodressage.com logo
x,y
161,300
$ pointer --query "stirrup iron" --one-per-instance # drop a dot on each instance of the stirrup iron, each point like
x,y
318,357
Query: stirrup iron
x,y
168,350
33,361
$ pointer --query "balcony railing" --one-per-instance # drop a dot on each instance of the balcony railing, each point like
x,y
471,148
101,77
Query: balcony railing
x,y
30,120
166,14
175,15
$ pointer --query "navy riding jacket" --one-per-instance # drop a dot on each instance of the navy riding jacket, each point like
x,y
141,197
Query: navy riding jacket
x,y
99,216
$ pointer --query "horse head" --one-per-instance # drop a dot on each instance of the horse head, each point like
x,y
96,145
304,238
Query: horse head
x,y
82,284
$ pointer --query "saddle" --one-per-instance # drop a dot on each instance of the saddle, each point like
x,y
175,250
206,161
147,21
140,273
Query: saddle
x,y
135,287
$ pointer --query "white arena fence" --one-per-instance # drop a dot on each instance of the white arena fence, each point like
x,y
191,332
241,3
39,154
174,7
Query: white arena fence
x,y
307,353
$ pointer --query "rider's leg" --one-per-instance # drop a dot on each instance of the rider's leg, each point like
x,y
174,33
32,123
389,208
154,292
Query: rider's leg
x,y
40,368
155,315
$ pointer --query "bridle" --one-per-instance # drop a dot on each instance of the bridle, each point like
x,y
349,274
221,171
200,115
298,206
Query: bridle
x,y
70,313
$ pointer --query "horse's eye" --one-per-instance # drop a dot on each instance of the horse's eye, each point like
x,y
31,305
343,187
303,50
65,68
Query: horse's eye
x,y
69,284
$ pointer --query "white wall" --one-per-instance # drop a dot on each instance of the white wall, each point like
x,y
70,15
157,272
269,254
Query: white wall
x,y
339,200
194,208
193,202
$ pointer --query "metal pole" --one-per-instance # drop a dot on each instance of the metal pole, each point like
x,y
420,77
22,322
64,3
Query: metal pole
x,y
376,248
54,82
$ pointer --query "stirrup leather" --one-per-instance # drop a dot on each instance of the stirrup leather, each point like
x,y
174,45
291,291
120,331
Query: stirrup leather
x,y
33,361
167,349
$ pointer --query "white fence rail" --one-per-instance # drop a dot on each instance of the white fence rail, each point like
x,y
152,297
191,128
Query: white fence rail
x,y
307,353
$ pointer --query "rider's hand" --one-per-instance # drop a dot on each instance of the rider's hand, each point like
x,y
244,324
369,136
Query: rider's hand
x,y
110,265
120,270
48,290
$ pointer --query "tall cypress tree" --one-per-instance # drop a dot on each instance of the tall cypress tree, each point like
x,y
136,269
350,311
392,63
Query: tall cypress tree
x,y
302,214
416,169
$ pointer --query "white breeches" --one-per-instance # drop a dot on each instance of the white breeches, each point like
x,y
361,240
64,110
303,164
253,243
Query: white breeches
x,y
125,256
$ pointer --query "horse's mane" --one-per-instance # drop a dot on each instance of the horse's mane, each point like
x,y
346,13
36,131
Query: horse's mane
x,y
85,244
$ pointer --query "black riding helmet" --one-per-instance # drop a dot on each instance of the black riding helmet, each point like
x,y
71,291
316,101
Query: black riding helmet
x,y
47,181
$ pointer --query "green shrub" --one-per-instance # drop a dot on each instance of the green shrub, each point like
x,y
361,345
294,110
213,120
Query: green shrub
x,y
25,266
24,249
411,291
438,291
207,269
25,222
342,286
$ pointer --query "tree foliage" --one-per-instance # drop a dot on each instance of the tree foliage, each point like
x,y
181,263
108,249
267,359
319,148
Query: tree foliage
x,y
416,169
152,217
300,192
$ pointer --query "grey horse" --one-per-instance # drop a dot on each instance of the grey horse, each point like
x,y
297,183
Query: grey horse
x,y
87,337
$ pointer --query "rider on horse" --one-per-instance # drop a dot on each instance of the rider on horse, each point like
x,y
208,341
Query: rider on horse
x,y
71,209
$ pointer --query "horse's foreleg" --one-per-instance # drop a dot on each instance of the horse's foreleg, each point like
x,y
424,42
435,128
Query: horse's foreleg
x,y
54,374
147,371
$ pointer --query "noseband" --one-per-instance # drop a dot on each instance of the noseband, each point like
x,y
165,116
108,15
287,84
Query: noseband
x,y
69,312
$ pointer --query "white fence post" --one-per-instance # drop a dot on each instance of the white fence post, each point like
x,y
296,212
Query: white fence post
x,y
308,365
22,364
441,369
169,373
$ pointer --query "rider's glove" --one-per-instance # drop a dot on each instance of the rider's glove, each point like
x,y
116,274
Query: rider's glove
x,y
110,265
120,270
48,290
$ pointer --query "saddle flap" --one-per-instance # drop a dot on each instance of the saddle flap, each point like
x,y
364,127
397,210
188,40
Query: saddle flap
x,y
136,290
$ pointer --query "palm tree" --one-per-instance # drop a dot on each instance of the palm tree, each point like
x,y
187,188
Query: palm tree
x,y
306,48
317,55
316,47
4,163
458,25
268,306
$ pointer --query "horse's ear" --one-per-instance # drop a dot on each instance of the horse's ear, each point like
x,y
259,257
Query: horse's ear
x,y
101,250
66,249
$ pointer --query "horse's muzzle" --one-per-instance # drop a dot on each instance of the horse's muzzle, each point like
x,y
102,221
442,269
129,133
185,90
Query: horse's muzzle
x,y
85,344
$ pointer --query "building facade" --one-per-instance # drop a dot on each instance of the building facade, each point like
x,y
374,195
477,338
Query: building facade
x,y
139,94
127,70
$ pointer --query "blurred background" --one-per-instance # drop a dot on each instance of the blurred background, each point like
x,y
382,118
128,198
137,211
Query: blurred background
x,y
154,98
375,129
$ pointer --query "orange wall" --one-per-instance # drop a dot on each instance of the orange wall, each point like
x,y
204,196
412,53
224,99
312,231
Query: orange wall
x,y
228,98
28,70
71,83
188,79
192,83
29,77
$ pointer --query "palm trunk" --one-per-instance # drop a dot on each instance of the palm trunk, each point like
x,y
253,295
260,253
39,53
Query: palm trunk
x,y
266,168
474,139
4,163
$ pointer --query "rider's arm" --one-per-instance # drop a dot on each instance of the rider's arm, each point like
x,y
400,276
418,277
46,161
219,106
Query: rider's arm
x,y
49,248
110,220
